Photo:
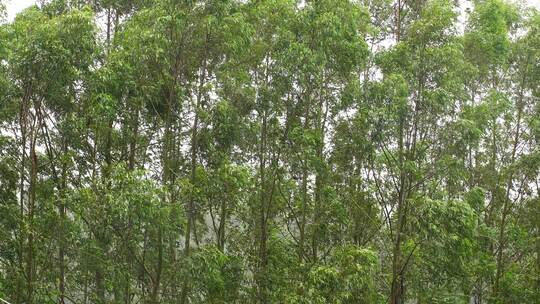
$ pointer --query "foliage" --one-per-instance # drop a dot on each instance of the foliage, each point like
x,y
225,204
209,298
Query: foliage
x,y
276,151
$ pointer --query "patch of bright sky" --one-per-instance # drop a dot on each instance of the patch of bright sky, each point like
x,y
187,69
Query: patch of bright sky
x,y
15,6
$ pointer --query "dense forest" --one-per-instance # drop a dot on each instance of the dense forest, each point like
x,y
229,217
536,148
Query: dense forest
x,y
270,151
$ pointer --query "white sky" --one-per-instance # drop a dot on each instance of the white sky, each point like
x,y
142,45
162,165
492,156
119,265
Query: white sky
x,y
15,6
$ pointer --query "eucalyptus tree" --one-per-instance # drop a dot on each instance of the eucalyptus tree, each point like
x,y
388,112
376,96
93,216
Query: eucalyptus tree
x,y
518,159
421,85
499,97
277,151
150,53
47,65
328,53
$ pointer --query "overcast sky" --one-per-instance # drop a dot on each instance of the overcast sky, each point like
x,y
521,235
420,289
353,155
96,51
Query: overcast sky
x,y
15,6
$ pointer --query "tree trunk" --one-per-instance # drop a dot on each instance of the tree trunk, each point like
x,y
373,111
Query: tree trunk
x,y
507,201
263,233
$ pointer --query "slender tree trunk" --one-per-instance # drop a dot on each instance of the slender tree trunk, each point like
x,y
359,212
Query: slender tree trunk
x,y
396,295
190,211
99,273
322,116
109,29
133,140
397,261
263,233
30,263
22,193
193,166
62,241
222,226
159,267
397,34
507,201
303,217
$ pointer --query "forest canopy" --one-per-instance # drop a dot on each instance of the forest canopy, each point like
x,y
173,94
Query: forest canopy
x,y
270,151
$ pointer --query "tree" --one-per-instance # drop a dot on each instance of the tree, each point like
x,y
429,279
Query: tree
x,y
278,151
